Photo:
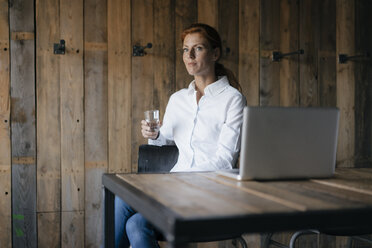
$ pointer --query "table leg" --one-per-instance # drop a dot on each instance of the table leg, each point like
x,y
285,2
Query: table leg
x,y
109,219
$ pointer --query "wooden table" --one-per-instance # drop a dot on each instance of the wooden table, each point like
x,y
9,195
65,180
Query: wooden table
x,y
188,207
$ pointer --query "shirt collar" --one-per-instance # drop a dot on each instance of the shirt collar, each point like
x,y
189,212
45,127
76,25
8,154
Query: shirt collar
x,y
213,89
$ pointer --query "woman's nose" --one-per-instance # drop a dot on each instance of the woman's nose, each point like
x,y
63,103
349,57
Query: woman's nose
x,y
192,53
189,53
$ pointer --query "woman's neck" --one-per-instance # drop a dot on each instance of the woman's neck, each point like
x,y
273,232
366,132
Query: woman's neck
x,y
203,81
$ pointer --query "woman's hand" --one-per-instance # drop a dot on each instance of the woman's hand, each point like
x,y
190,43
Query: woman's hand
x,y
146,130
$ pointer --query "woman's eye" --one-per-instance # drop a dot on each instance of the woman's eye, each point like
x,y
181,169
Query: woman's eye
x,y
185,50
199,49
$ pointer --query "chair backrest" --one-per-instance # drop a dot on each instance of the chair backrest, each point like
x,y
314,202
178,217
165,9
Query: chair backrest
x,y
157,158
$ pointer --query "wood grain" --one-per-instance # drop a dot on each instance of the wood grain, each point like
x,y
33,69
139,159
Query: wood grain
x,y
208,12
199,199
21,16
95,46
24,205
289,42
229,32
48,109
119,85
23,160
22,35
327,53
95,106
49,229
72,229
355,181
345,36
363,85
48,127
269,41
72,106
142,72
5,141
249,50
95,77
309,32
217,203
185,15
348,189
93,217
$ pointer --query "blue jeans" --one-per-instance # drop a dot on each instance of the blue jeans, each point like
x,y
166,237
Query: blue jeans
x,y
131,228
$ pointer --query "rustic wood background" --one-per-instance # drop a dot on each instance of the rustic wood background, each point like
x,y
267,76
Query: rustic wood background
x,y
66,119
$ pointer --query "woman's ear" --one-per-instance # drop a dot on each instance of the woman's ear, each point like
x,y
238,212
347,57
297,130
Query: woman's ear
x,y
216,54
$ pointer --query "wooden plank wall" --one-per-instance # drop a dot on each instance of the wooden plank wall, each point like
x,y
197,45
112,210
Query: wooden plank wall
x,y
71,80
185,14
142,69
269,41
48,124
229,31
249,50
90,101
345,36
23,116
95,140
208,12
363,85
5,142
119,85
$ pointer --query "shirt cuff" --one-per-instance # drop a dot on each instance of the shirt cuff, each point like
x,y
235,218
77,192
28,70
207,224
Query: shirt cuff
x,y
159,141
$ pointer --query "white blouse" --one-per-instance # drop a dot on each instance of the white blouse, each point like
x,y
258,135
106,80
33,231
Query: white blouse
x,y
207,134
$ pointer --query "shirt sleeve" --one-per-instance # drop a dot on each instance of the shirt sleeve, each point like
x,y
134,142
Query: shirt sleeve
x,y
160,141
166,130
228,146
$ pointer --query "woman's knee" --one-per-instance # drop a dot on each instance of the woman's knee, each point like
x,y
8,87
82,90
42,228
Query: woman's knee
x,y
136,223
140,232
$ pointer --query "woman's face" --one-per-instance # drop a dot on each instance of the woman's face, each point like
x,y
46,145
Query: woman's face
x,y
198,56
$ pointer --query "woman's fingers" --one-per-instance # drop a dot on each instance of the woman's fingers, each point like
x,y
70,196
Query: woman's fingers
x,y
146,131
149,135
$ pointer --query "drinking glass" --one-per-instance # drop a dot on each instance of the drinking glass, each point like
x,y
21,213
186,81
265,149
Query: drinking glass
x,y
152,118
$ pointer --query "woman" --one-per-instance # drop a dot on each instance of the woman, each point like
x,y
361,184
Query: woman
x,y
204,121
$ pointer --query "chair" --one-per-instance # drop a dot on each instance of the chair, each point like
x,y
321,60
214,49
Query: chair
x,y
351,233
161,159
156,159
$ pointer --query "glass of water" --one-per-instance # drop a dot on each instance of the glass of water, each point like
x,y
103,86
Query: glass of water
x,y
152,118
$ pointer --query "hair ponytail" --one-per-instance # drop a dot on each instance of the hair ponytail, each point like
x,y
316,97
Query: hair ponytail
x,y
214,40
221,70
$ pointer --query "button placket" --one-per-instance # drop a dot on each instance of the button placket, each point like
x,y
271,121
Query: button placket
x,y
193,128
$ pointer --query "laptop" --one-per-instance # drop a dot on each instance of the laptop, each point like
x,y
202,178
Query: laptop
x,y
287,143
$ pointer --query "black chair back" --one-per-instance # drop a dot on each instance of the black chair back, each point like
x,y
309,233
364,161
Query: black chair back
x,y
155,159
